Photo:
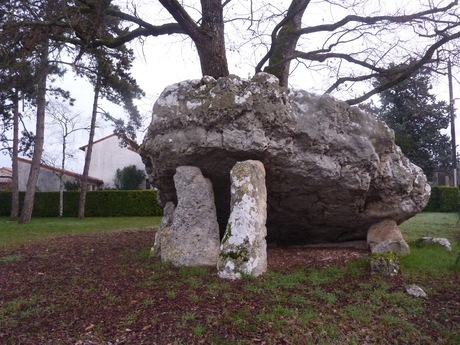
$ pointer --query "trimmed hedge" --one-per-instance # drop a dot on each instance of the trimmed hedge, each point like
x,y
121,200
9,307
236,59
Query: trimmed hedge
x,y
105,203
443,199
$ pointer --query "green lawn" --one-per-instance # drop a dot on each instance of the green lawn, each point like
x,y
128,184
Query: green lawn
x,y
431,224
12,233
103,289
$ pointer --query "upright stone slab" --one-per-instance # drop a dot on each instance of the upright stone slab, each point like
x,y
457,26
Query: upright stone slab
x,y
244,249
166,222
193,237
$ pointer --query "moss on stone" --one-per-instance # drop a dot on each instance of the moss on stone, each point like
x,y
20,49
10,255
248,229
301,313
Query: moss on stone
x,y
386,256
228,233
238,256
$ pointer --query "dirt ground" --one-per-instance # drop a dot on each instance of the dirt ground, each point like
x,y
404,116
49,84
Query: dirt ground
x,y
103,289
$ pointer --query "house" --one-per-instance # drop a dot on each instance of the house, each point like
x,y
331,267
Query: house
x,y
48,177
6,177
108,156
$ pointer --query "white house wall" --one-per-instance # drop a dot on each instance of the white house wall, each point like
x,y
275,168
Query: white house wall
x,y
108,156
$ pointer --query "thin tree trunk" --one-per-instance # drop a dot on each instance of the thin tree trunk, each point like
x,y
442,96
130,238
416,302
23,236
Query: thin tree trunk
x,y
27,208
15,177
61,180
89,151
452,122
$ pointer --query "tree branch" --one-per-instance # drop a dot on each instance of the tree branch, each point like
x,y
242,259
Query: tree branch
x,y
182,17
411,69
374,20
290,15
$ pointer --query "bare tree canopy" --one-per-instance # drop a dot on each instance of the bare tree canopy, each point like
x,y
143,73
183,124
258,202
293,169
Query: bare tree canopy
x,y
344,43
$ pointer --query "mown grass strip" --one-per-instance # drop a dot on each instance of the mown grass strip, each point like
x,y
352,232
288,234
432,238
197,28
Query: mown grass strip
x,y
12,233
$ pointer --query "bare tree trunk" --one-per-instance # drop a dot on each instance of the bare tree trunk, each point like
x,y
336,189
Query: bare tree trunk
x,y
211,41
15,177
89,151
43,70
285,41
209,38
61,181
452,122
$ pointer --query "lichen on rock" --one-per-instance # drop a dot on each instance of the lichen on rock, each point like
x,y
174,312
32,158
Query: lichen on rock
x,y
332,170
243,248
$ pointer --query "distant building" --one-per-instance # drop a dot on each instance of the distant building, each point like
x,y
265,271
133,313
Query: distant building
x,y
6,177
48,177
108,156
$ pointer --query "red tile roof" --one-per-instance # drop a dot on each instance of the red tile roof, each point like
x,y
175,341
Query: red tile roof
x,y
107,137
57,170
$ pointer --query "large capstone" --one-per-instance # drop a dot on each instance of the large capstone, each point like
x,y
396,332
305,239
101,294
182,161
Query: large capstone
x,y
331,170
193,237
244,248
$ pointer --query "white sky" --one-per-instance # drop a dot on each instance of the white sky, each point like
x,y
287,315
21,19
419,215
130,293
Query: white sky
x,y
164,60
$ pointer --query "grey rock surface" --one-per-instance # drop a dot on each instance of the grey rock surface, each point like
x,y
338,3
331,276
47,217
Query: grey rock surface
x,y
244,248
386,237
415,290
193,237
396,246
331,170
385,266
441,241
166,222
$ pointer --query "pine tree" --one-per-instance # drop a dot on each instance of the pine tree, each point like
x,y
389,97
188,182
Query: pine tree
x,y
417,118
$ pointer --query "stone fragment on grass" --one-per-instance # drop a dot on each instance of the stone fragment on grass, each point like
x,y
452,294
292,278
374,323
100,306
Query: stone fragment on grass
x,y
415,290
193,237
244,248
166,221
426,241
387,265
386,237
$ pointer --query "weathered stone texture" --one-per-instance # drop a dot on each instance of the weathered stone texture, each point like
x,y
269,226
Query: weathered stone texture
x,y
166,222
386,266
331,170
193,237
427,241
244,249
386,237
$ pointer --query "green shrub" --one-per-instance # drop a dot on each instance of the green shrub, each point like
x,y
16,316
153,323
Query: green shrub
x,y
443,199
107,203
5,203
448,199
433,202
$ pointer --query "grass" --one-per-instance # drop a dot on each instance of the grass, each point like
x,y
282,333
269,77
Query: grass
x,y
432,259
12,233
305,305
431,224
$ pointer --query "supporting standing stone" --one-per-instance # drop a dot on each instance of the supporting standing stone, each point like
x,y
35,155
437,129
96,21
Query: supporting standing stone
x,y
166,222
244,249
193,237
386,237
